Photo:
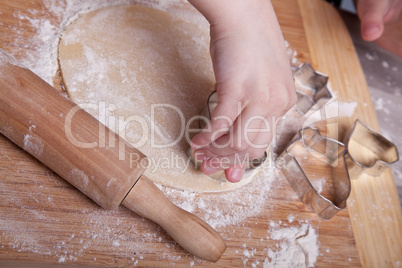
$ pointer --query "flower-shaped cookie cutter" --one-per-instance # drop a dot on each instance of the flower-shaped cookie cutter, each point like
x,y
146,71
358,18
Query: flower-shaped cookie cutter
x,y
367,151
310,150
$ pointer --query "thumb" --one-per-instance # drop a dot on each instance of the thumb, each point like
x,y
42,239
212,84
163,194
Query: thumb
x,y
234,173
371,13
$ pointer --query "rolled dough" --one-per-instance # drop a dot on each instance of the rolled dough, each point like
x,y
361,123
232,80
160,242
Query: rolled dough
x,y
144,73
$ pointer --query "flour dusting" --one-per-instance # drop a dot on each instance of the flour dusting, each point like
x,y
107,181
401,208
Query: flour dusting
x,y
297,247
228,213
33,145
346,109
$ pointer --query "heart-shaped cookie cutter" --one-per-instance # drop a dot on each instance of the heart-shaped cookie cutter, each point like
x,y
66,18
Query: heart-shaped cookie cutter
x,y
367,151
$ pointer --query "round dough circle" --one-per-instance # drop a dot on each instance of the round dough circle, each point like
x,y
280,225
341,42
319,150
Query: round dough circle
x,y
144,73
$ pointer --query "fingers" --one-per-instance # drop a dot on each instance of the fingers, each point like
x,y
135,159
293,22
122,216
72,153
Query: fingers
x,y
371,13
233,170
228,153
214,164
391,39
244,139
223,148
241,136
234,173
222,120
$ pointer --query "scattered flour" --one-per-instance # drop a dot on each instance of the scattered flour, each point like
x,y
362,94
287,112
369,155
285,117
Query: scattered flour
x,y
33,145
7,58
62,259
248,203
318,184
370,56
379,104
297,247
292,54
346,109
79,175
291,218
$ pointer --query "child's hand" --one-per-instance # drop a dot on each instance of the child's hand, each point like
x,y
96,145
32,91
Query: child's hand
x,y
253,80
381,21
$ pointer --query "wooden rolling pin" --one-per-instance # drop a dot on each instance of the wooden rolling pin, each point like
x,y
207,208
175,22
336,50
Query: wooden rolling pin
x,y
72,143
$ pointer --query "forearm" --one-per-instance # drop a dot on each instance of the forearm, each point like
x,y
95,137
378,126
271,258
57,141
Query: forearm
x,y
234,12
250,25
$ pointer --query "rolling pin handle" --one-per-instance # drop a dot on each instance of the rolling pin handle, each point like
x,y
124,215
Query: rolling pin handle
x,y
186,229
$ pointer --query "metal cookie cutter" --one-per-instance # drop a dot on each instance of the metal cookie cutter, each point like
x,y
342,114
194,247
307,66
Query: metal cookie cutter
x,y
311,88
206,113
308,155
367,151
312,94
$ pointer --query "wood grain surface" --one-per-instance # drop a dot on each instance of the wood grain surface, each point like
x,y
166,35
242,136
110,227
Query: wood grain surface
x,y
374,204
46,221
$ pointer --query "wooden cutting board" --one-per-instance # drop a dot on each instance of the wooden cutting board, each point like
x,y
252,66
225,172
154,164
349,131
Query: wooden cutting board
x,y
44,220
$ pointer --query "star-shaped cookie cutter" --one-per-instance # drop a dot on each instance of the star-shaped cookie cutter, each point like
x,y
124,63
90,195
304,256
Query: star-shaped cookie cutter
x,y
311,88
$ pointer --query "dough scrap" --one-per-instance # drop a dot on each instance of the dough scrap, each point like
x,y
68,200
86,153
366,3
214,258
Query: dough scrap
x,y
127,59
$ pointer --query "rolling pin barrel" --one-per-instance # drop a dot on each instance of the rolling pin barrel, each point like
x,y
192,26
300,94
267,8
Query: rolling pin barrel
x,y
91,157
65,138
